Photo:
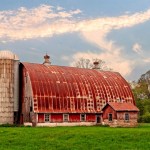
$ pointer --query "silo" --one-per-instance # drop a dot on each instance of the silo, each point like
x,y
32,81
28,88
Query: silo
x,y
9,85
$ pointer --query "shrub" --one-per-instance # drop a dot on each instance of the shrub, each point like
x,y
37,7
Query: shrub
x,y
146,118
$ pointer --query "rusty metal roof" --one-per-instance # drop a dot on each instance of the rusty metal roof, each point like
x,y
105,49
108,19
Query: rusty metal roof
x,y
69,89
123,106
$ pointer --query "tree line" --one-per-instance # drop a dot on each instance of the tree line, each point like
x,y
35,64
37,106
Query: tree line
x,y
142,97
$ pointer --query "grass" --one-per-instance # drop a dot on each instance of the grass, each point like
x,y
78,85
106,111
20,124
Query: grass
x,y
75,138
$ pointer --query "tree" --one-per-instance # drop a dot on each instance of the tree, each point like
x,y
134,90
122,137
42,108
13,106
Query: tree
x,y
141,90
141,93
144,107
96,64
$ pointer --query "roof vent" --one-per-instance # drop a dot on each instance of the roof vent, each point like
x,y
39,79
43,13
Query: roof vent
x,y
96,64
47,60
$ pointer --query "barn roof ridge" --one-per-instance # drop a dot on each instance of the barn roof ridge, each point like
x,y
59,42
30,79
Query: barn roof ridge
x,y
70,67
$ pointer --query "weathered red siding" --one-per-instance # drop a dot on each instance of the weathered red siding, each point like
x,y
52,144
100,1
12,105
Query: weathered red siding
x,y
90,117
40,118
74,117
56,117
109,110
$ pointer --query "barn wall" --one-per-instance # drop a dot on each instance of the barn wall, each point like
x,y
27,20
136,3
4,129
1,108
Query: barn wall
x,y
56,117
27,104
132,115
57,120
90,117
132,121
74,117
41,118
108,110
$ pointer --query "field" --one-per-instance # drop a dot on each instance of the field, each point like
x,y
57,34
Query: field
x,y
75,138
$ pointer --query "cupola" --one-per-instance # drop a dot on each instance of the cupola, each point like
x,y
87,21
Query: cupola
x,y
47,60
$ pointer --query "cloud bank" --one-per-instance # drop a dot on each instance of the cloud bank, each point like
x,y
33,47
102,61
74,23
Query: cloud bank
x,y
47,21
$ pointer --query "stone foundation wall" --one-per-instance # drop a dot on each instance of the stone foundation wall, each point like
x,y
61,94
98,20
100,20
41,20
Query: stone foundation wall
x,y
121,123
67,124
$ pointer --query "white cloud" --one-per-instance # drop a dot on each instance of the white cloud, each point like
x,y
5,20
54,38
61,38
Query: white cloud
x,y
127,12
33,23
65,58
59,8
3,41
137,48
113,60
43,21
147,60
77,11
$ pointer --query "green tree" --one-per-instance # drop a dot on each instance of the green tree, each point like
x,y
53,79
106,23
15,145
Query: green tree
x,y
144,107
141,90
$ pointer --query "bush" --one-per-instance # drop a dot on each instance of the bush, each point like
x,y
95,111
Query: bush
x,y
140,119
146,118
144,107
7,125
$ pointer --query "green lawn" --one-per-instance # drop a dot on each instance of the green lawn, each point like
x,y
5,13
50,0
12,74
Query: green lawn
x,y
75,138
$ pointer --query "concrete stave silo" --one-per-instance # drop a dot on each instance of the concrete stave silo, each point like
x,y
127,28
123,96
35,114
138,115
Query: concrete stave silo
x,y
9,87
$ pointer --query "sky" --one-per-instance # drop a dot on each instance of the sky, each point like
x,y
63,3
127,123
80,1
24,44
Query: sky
x,y
115,31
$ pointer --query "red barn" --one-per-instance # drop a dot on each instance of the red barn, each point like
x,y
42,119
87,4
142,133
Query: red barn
x,y
120,114
58,95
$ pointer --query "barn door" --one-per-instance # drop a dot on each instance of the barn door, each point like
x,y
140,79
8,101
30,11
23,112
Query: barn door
x,y
98,119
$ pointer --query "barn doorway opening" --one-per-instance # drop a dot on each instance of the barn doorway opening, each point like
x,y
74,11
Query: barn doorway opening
x,y
98,119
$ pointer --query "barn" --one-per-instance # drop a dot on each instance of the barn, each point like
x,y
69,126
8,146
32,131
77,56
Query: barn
x,y
67,96
50,95
120,114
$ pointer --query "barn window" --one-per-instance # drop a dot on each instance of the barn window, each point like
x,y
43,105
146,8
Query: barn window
x,y
126,117
47,117
66,117
82,117
110,117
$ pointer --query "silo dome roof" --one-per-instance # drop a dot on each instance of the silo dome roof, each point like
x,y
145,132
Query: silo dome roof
x,y
6,54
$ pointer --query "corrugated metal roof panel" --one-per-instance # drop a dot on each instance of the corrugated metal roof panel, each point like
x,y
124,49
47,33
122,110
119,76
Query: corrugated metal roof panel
x,y
123,106
68,89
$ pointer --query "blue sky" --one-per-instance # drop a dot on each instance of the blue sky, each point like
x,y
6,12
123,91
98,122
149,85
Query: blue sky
x,y
114,31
